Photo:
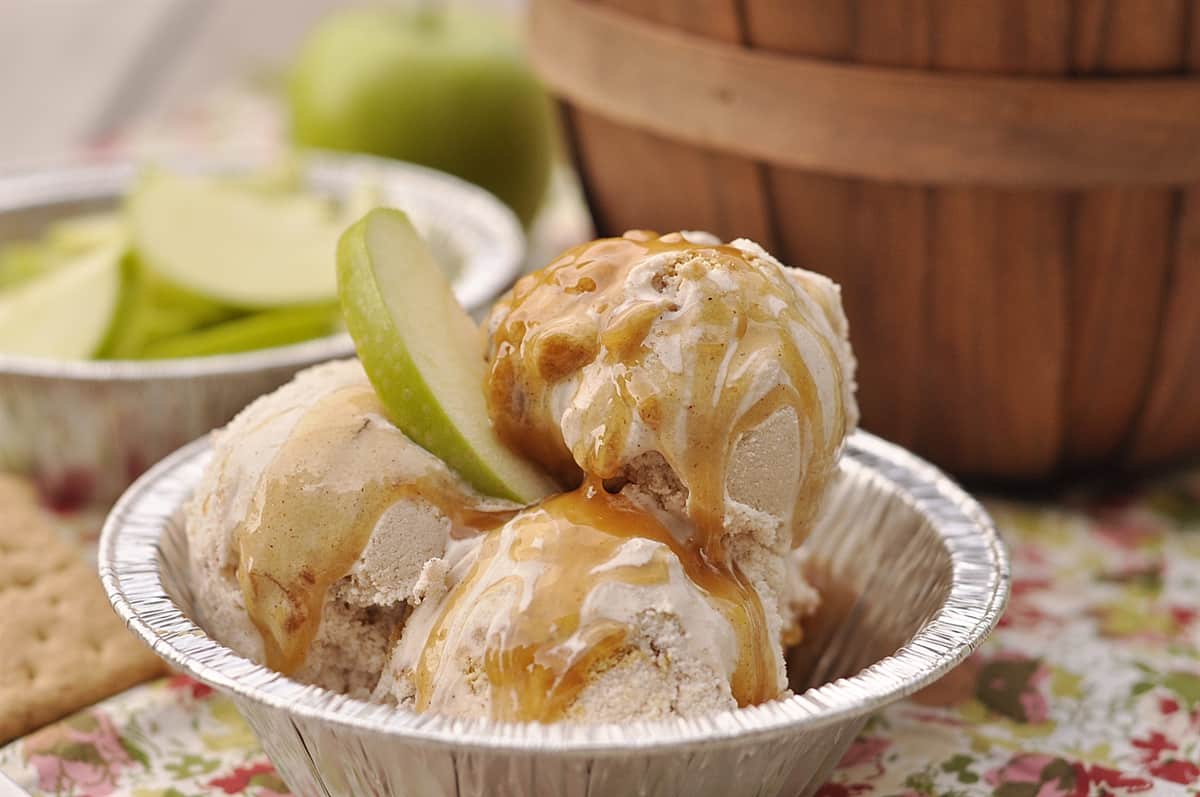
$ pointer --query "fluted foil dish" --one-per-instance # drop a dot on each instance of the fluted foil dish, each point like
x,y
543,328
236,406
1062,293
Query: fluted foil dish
x,y
84,429
912,572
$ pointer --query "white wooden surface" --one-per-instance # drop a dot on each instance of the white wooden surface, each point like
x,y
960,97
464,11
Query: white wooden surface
x,y
77,71
64,64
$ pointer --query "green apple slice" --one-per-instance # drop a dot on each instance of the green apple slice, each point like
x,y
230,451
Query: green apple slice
x,y
423,354
84,232
66,313
21,261
234,244
257,331
150,309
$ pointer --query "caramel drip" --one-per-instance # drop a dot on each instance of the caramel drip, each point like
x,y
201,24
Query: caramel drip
x,y
315,508
467,518
733,342
555,322
577,311
540,657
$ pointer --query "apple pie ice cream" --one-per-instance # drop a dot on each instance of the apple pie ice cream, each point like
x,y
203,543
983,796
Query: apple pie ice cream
x,y
689,399
318,525
707,378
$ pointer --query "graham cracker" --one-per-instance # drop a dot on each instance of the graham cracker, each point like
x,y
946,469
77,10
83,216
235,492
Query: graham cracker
x,y
61,646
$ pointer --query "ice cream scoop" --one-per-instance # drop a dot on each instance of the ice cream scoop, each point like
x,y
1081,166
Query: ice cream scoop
x,y
689,396
586,606
318,524
716,358
706,377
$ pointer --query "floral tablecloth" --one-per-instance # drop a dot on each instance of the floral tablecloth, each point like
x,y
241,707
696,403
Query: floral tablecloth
x,y
1090,686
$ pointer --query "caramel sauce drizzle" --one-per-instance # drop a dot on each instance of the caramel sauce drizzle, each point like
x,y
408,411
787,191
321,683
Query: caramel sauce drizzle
x,y
540,658
579,310
576,311
316,506
326,489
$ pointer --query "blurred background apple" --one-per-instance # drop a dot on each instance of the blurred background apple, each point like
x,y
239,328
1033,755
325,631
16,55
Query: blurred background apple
x,y
442,84
444,88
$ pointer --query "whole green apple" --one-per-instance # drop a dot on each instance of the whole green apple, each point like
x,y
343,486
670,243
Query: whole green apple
x,y
447,89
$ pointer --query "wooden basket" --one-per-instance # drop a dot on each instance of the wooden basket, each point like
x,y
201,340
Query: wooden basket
x,y
1008,191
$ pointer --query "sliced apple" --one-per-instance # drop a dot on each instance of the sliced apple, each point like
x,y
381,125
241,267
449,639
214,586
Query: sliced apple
x,y
65,313
234,244
21,261
257,331
85,232
423,353
149,310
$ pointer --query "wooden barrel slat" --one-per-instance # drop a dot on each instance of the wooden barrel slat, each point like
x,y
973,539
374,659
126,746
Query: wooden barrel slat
x,y
1170,422
996,298
708,190
944,126
843,223
1005,331
1007,37
1121,247
813,27
1129,37
1120,242
997,264
891,230
713,190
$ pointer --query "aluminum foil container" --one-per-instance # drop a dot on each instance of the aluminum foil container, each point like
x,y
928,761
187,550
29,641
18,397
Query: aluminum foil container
x,y
86,429
913,577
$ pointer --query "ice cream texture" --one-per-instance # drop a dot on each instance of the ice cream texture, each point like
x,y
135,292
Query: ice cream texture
x,y
689,396
318,525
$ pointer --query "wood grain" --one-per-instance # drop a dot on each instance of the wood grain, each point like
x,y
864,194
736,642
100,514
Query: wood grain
x,y
938,276
1010,331
933,126
1168,428
677,185
1129,37
1119,268
867,236
1121,246
997,265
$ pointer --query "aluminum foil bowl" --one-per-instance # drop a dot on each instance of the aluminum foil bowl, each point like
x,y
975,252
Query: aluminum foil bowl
x,y
913,576
86,429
